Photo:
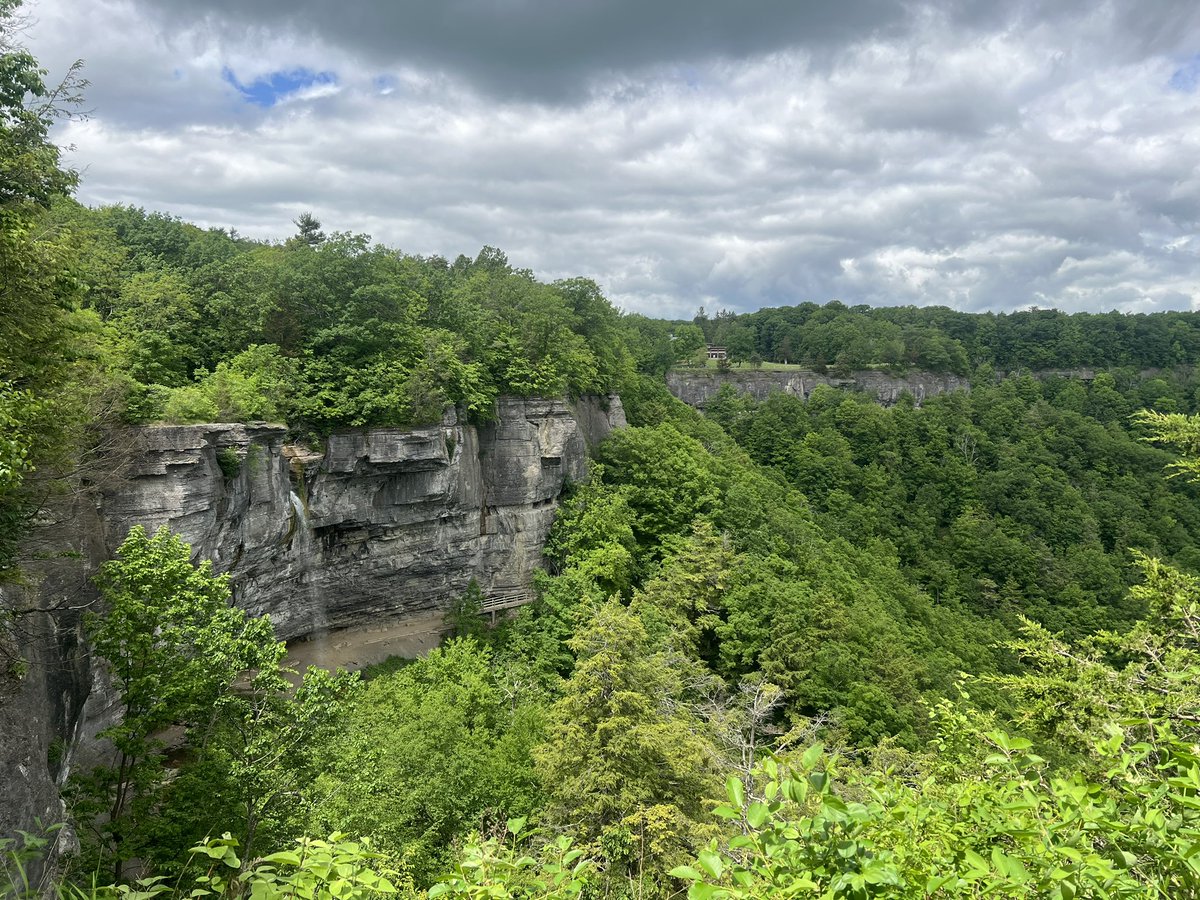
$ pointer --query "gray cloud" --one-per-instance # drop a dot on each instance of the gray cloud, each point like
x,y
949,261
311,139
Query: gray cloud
x,y
542,48
974,155
548,48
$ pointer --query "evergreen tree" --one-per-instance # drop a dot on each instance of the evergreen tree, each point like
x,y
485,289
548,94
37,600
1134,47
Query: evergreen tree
x,y
625,763
308,229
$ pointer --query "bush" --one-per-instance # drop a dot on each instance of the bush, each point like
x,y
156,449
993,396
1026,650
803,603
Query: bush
x,y
464,618
187,405
230,462
256,385
144,403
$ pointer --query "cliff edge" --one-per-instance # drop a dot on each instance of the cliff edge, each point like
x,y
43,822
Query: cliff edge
x,y
378,525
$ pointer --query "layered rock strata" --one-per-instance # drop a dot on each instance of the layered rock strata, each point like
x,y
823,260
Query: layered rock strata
x,y
386,522
698,388
381,525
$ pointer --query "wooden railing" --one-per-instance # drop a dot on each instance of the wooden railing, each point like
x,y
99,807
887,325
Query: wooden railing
x,y
497,602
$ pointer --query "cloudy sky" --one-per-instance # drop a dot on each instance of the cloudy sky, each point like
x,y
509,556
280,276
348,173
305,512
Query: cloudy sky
x,y
979,154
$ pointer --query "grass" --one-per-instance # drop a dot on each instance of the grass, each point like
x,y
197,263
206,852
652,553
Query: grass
x,y
710,365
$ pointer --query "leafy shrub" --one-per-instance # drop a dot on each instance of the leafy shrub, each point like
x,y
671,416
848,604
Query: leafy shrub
x,y
464,618
229,461
21,866
500,868
335,869
186,405
256,385
144,403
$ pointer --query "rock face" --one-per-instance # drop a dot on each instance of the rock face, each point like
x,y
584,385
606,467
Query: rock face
x,y
384,523
45,673
698,388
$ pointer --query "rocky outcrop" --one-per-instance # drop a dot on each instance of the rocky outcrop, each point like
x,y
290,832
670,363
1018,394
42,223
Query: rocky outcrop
x,y
379,525
45,673
699,387
384,523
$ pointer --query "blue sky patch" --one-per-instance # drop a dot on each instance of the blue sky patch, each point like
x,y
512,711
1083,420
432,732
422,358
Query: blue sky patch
x,y
1187,77
271,88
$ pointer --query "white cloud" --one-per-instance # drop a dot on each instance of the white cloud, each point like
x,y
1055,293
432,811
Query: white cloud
x,y
995,163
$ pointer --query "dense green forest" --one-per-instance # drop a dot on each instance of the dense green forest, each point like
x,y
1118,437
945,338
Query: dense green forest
x,y
703,623
326,331
945,340
783,648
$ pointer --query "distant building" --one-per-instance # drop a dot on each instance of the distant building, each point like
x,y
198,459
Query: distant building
x,y
715,352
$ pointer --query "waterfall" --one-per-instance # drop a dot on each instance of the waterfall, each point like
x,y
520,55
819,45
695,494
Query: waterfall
x,y
300,534
301,548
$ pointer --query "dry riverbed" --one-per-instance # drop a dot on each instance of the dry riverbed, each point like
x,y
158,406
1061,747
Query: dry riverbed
x,y
356,648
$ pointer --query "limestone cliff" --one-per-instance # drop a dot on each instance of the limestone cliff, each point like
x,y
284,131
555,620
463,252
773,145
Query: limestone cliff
x,y
379,525
385,522
699,387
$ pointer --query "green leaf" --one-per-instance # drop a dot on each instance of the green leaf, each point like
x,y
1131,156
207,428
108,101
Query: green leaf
x,y
812,755
710,862
757,815
736,792
285,857
878,873
935,882
1009,867
976,862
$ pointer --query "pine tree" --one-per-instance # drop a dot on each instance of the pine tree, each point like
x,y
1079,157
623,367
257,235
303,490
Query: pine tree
x,y
625,762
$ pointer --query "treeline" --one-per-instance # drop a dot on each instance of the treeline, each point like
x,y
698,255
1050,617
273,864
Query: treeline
x,y
328,331
325,331
939,339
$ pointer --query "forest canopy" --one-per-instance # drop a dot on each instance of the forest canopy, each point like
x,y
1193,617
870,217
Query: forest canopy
x,y
329,331
324,331
939,339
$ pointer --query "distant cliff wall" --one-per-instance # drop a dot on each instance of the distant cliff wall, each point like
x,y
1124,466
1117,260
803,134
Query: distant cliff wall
x,y
699,387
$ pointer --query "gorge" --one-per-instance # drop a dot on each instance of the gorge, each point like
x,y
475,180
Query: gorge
x,y
381,525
